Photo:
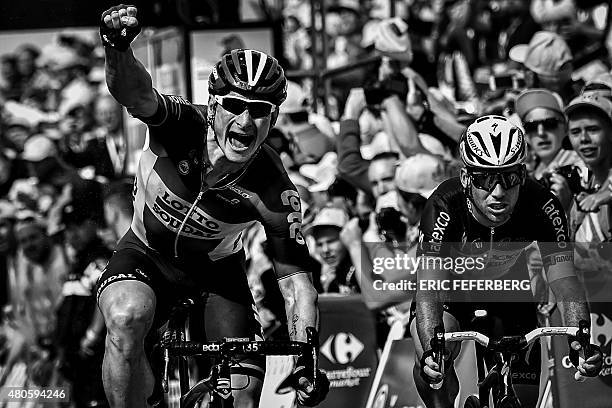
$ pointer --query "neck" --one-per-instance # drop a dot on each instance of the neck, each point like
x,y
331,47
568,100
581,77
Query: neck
x,y
121,226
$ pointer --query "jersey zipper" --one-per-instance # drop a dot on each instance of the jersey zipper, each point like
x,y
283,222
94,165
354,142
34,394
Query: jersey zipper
x,y
491,239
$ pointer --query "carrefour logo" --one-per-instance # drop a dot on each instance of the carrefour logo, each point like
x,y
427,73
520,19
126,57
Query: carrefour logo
x,y
342,348
601,329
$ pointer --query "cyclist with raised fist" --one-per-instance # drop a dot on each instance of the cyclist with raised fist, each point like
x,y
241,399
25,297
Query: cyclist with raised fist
x,y
490,214
203,177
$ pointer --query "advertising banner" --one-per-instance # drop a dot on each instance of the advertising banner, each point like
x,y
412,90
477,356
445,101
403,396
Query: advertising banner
x,y
348,350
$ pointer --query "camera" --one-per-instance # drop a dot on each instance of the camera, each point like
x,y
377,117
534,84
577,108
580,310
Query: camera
x,y
390,224
376,91
571,173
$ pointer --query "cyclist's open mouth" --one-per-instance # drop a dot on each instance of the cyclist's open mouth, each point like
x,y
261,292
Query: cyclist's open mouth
x,y
239,141
498,208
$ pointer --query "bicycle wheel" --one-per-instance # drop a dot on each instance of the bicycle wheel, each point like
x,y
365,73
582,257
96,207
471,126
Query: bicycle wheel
x,y
472,402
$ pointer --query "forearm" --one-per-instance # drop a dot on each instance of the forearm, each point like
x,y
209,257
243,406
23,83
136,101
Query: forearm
x,y
129,82
300,305
571,300
429,316
400,127
351,165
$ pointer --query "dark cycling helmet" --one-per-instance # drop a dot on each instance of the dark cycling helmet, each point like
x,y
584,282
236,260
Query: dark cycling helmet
x,y
492,142
250,73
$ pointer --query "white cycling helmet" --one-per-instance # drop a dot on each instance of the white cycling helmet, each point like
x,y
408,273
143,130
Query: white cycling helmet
x,y
492,142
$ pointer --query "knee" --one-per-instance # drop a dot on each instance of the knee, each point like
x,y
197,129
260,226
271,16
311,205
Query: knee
x,y
128,318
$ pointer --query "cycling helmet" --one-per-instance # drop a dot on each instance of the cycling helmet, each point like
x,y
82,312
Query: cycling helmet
x,y
250,73
392,39
492,142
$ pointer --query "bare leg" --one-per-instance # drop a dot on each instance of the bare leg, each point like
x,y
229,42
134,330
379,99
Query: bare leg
x,y
128,308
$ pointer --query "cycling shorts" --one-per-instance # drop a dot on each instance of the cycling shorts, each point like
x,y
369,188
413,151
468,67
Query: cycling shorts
x,y
220,288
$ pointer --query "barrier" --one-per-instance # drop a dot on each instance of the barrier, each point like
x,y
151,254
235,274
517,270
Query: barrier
x,y
348,349
594,392
394,382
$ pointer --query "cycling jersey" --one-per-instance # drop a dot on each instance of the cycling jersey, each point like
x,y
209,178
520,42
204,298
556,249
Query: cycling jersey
x,y
168,181
448,229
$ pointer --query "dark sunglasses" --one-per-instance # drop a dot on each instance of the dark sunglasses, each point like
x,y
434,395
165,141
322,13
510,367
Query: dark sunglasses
x,y
548,124
488,180
236,105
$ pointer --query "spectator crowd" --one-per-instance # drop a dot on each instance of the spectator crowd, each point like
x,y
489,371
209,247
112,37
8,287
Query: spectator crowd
x,y
364,166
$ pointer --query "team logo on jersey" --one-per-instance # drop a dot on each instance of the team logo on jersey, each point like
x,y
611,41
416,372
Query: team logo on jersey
x,y
171,210
292,199
184,168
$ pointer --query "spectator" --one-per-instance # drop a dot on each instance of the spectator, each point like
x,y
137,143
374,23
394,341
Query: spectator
x,y
40,271
600,84
590,132
548,61
542,117
7,247
10,80
416,178
102,149
81,330
26,65
338,272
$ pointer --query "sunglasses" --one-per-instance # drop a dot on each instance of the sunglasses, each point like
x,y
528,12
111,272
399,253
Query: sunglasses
x,y
236,105
548,124
487,181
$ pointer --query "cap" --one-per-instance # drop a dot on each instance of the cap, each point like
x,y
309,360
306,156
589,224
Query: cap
x,y
420,174
313,143
369,33
392,39
434,145
323,173
37,148
329,217
537,98
75,95
591,101
296,98
600,85
546,54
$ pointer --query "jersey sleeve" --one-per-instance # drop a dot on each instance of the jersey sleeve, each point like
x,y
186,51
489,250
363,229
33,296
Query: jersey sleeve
x,y
438,229
281,216
554,238
174,116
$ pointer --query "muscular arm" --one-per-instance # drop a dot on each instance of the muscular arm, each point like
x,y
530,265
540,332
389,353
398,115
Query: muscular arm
x,y
351,165
571,300
130,83
300,304
429,309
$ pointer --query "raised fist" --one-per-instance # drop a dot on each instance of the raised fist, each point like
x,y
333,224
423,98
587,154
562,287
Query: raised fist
x,y
119,26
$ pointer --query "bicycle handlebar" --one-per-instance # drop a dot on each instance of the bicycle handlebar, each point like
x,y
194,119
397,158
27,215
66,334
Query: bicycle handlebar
x,y
513,343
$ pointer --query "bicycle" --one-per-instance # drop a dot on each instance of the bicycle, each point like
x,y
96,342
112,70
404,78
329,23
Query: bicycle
x,y
176,348
506,349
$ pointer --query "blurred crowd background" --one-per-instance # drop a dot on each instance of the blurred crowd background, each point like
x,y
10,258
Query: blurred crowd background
x,y
402,80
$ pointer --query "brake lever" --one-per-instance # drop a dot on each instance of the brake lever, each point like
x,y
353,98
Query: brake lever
x,y
438,347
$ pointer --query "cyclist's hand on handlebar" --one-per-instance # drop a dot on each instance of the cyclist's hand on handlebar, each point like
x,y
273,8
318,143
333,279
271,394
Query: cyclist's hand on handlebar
x,y
301,380
119,26
592,365
306,393
431,371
